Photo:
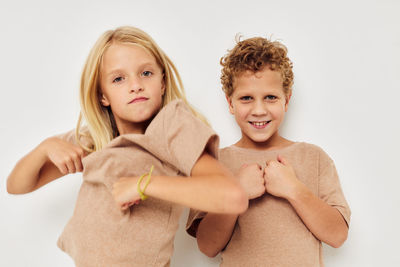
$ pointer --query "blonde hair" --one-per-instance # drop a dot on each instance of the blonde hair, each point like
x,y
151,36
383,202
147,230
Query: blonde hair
x,y
254,54
101,128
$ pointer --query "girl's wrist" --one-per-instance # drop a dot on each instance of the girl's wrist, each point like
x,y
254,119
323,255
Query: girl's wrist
x,y
43,150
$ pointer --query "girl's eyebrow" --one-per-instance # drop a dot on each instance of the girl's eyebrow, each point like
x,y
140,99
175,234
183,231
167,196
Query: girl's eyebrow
x,y
119,70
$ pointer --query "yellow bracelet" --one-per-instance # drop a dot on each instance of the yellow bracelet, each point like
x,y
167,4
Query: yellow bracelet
x,y
140,191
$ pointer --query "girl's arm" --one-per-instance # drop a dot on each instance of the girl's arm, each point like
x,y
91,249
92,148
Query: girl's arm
x,y
323,220
50,160
211,187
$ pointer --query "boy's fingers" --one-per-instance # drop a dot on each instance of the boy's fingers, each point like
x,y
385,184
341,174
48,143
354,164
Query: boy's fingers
x,y
282,160
259,166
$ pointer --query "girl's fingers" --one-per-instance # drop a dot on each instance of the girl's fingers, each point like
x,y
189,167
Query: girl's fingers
x,y
71,166
62,168
78,163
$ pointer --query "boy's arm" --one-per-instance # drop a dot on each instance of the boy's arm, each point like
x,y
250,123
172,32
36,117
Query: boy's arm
x,y
323,220
214,232
50,160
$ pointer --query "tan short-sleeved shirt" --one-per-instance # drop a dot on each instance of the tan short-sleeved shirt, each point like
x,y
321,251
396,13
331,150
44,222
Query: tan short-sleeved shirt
x,y
99,234
270,233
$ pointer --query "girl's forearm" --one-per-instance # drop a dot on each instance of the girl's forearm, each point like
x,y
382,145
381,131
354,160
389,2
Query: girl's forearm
x,y
324,221
211,193
214,232
25,175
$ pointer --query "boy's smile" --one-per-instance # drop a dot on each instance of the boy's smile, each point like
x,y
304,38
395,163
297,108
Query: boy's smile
x,y
259,103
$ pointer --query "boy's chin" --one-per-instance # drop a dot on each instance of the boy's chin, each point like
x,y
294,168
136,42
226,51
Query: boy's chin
x,y
258,140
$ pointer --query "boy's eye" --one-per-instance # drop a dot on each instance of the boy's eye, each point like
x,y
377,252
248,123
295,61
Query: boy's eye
x,y
146,73
270,97
246,98
118,79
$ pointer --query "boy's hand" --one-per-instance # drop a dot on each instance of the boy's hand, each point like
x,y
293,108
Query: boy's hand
x,y
65,156
280,178
125,192
252,180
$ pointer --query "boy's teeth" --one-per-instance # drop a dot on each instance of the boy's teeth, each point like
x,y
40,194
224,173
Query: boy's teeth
x,y
259,123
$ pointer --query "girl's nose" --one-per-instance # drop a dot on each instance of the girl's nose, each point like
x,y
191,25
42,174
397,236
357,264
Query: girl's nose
x,y
136,87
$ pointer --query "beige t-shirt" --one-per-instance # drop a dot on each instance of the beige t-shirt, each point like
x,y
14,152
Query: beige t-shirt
x,y
270,233
99,233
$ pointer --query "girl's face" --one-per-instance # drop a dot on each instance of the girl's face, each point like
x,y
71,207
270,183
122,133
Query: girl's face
x,y
258,103
132,85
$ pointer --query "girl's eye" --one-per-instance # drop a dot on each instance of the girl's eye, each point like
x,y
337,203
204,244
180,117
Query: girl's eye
x,y
245,98
118,79
146,73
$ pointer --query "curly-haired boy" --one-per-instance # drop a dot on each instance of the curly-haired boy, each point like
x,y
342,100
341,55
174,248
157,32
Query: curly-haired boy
x,y
295,196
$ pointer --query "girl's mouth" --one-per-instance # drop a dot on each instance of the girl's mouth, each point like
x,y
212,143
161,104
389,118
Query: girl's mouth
x,y
138,99
259,124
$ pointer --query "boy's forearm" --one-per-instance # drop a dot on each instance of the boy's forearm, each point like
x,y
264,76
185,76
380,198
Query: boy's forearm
x,y
324,221
214,232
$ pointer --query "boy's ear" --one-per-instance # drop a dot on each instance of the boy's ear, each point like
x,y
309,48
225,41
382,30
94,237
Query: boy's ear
x,y
104,100
288,96
229,99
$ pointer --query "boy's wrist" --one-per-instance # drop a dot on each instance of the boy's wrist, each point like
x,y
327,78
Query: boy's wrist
x,y
298,192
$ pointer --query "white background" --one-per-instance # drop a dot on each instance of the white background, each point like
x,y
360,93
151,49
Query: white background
x,y
346,99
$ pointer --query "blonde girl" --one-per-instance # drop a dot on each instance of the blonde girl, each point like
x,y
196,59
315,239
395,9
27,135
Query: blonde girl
x,y
141,140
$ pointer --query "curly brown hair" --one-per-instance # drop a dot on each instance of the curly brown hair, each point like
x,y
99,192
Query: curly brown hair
x,y
254,54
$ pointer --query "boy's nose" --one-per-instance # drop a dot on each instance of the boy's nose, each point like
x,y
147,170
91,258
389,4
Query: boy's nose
x,y
259,109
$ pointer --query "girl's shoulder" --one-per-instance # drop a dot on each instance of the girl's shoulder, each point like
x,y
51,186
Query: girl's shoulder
x,y
85,139
175,114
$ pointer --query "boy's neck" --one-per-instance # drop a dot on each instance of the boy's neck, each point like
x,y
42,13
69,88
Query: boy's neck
x,y
274,142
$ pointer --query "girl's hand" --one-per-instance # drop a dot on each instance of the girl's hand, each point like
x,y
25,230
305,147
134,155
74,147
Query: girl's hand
x,y
125,192
252,180
280,178
65,156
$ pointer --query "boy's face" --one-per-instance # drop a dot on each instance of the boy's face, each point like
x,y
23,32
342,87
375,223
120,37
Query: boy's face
x,y
258,103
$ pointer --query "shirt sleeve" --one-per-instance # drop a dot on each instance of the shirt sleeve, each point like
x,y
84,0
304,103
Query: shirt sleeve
x,y
71,137
183,137
68,136
193,221
330,190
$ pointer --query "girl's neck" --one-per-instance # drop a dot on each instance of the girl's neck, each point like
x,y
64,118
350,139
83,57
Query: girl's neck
x,y
132,128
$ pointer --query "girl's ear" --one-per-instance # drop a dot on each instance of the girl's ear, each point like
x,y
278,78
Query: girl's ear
x,y
288,96
229,99
104,100
163,85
